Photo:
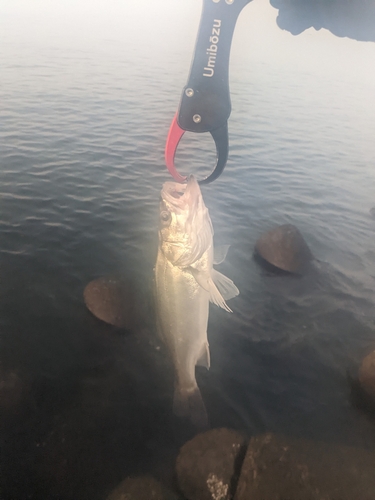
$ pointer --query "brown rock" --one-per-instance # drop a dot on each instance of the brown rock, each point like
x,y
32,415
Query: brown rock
x,y
207,466
276,467
113,300
141,488
284,248
366,374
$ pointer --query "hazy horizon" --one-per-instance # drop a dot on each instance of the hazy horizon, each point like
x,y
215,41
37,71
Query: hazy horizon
x,y
168,30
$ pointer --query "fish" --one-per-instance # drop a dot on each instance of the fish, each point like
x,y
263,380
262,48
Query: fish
x,y
185,284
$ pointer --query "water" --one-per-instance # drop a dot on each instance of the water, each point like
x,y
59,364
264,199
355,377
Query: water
x,y
85,109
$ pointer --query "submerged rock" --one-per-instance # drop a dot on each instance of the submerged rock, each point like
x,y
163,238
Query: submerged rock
x,y
112,299
366,375
141,488
284,248
277,467
207,466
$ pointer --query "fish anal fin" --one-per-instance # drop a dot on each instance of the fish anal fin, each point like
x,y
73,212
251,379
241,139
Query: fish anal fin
x,y
225,285
204,358
220,253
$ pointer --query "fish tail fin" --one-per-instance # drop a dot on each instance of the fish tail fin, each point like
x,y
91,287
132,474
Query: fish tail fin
x,y
188,403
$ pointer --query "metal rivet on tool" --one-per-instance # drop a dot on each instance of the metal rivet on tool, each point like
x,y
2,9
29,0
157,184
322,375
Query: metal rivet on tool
x,y
197,118
216,1
189,92
229,1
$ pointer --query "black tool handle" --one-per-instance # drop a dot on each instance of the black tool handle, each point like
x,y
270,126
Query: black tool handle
x,y
205,103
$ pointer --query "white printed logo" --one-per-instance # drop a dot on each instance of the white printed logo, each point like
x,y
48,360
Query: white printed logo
x,y
209,70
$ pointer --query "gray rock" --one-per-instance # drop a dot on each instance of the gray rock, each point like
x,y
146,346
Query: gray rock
x,y
284,248
141,488
112,299
276,467
366,374
207,466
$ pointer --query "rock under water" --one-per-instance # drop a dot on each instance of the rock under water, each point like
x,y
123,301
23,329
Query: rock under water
x,y
284,248
141,488
366,375
221,464
112,299
278,467
207,465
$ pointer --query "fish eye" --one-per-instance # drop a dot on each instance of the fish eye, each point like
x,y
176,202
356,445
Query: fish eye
x,y
165,216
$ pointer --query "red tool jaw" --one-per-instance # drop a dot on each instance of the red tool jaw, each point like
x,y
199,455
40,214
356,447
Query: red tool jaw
x,y
174,136
219,135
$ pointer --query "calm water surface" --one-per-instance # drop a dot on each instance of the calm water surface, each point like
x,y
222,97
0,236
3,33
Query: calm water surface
x,y
82,130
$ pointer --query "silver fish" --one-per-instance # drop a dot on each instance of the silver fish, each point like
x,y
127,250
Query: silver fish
x,y
185,283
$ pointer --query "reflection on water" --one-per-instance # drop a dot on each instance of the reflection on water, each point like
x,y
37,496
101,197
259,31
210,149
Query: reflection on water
x,y
82,136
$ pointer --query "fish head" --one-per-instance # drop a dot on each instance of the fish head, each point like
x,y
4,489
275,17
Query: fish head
x,y
185,229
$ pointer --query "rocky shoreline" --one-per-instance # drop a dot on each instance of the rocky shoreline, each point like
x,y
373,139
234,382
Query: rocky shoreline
x,y
222,464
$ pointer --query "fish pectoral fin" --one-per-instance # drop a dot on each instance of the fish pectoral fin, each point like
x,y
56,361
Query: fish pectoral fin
x,y
225,285
220,253
207,283
204,358
203,279
216,297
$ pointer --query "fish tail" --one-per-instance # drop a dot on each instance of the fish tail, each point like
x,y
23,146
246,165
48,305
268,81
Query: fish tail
x,y
188,403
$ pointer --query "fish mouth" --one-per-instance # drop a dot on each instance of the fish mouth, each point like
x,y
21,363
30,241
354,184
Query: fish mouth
x,y
179,195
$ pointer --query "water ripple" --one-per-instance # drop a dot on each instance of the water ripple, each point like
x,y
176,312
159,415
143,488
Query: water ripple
x,y
82,164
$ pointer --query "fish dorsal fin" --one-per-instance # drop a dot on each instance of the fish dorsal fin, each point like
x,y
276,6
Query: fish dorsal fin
x,y
225,285
204,358
220,253
204,280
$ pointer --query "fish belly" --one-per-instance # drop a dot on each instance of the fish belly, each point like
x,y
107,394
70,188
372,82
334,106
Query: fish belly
x,y
182,307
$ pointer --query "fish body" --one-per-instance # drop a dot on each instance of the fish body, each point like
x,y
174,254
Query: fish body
x,y
185,283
